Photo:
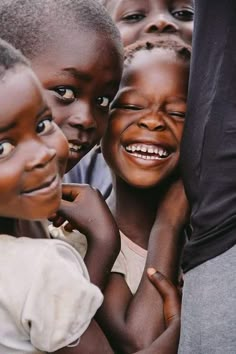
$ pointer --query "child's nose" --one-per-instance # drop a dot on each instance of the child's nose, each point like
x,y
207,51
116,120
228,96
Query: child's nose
x,y
38,156
161,23
83,118
153,122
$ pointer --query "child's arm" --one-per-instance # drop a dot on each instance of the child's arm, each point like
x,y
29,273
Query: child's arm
x,y
124,317
167,343
84,208
94,341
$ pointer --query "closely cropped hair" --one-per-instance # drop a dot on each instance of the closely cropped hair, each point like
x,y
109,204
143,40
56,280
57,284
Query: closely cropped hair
x,y
178,47
30,25
105,2
10,57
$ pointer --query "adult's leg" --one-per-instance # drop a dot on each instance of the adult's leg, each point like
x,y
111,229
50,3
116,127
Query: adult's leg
x,y
208,322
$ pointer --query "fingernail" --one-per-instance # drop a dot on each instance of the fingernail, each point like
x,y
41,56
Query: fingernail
x,y
151,271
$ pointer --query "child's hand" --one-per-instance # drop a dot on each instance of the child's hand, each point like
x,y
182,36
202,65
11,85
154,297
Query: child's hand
x,y
174,208
84,209
167,236
167,342
170,296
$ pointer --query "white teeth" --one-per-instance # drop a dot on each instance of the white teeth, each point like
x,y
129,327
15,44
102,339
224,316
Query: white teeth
x,y
146,157
157,152
75,147
150,150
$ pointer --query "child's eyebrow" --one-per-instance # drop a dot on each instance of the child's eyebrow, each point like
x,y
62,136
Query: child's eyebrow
x,y
79,75
8,127
130,2
42,111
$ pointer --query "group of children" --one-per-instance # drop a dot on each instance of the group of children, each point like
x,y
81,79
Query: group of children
x,y
76,87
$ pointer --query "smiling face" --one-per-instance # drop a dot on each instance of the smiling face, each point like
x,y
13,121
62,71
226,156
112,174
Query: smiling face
x,y
142,142
142,19
81,78
33,151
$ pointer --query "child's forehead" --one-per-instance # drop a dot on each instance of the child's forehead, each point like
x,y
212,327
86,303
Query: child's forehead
x,y
114,6
20,91
152,66
83,50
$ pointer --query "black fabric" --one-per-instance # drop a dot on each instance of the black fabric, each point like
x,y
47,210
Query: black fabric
x,y
208,153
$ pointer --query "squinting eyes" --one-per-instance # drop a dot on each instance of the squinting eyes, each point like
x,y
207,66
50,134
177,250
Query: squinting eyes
x,y
44,126
5,148
180,115
134,17
183,15
180,14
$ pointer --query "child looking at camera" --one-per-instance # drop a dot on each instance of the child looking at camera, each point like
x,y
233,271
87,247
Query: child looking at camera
x,y
136,20
76,52
47,301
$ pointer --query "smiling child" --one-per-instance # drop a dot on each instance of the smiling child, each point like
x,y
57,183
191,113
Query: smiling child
x,y
136,20
79,66
46,299
36,273
142,146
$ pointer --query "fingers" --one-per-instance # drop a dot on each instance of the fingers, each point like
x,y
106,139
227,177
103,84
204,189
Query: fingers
x,y
71,190
163,285
169,294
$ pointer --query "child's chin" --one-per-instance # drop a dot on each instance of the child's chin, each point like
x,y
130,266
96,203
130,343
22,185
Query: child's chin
x,y
44,213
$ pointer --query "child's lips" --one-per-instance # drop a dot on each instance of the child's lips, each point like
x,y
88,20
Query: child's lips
x,y
49,185
77,148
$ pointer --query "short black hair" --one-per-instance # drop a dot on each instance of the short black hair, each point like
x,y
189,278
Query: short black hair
x,y
178,47
30,25
10,57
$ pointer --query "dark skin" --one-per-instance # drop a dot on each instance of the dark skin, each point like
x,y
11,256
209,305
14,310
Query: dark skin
x,y
33,151
139,19
93,340
21,96
79,85
33,155
147,113
98,225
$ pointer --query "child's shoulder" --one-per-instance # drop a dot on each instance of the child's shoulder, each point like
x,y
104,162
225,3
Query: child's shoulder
x,y
49,273
30,257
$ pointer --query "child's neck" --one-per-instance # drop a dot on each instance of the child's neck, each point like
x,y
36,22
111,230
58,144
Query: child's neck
x,y
7,226
20,227
134,210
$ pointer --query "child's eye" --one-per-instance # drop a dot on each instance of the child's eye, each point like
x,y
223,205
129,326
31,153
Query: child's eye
x,y
129,107
103,101
133,17
44,126
183,15
66,93
5,148
177,114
